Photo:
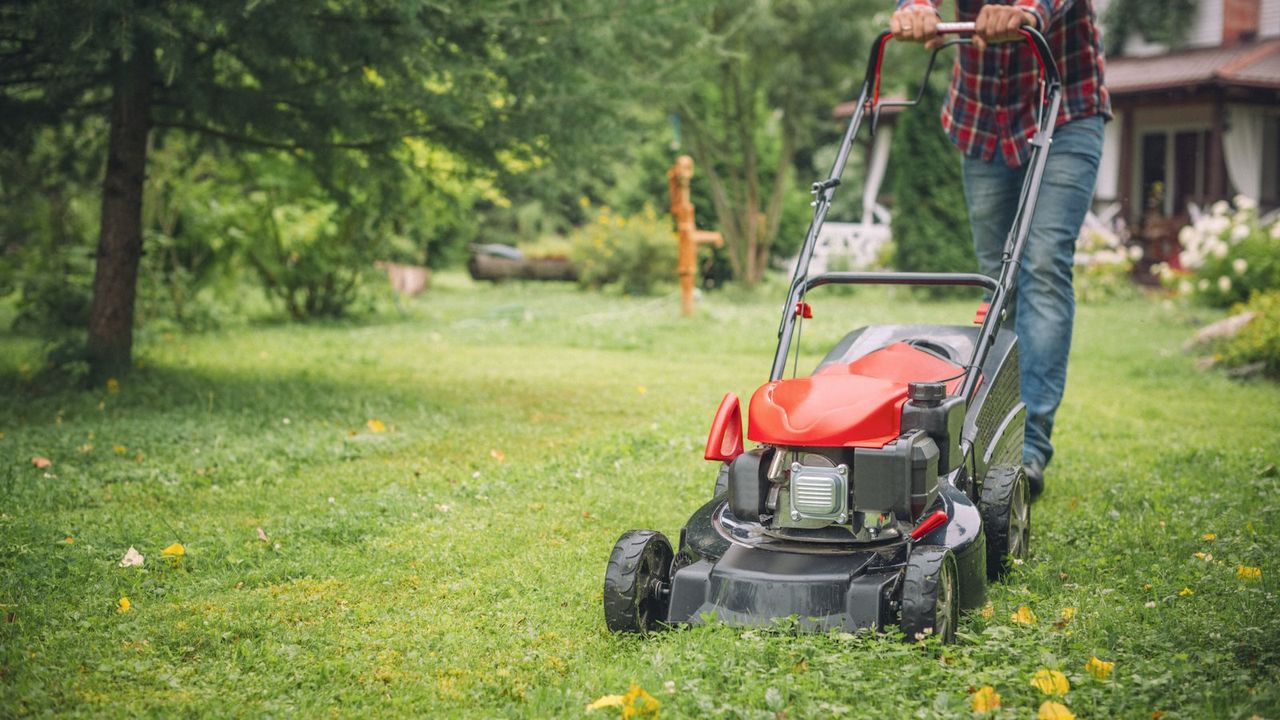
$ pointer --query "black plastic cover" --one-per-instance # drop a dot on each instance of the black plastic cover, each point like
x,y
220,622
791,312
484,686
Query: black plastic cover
x,y
900,478
749,485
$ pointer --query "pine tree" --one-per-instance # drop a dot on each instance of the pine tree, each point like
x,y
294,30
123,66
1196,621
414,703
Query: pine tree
x,y
930,220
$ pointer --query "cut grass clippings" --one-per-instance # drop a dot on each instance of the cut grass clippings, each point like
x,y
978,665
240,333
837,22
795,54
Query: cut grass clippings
x,y
412,518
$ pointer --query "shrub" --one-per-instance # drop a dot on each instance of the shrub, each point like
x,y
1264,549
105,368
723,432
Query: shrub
x,y
636,253
930,220
1227,256
1103,265
1258,342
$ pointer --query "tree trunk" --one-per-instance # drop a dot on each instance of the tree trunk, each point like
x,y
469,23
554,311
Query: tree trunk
x,y
115,279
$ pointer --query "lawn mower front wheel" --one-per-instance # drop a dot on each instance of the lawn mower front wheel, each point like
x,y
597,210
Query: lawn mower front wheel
x,y
930,596
637,582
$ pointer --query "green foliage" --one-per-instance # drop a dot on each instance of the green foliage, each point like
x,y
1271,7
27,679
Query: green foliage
x,y
930,219
636,253
1103,267
1158,21
1258,342
1228,254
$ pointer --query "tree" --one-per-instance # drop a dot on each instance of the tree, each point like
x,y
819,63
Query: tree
x,y
498,82
1165,22
930,219
761,88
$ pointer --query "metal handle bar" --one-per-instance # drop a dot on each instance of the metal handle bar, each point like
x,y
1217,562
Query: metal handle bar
x,y
935,279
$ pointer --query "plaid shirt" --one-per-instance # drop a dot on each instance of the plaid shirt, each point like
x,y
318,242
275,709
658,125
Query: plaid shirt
x,y
994,94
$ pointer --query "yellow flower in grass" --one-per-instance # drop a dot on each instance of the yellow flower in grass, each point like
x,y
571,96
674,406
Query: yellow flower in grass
x,y
1023,616
985,700
1244,572
1050,682
113,386
174,551
123,605
1186,592
1099,669
376,426
1050,710
1209,537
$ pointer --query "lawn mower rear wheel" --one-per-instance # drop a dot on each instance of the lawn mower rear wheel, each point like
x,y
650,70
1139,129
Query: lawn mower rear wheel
x,y
1005,505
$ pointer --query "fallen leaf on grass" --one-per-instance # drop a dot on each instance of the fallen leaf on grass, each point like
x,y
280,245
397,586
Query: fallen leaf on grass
x,y
262,535
635,704
1050,710
174,551
376,426
123,605
497,454
68,539
1023,616
987,611
41,462
985,700
1065,617
1099,669
1209,537
1050,682
1207,557
132,558
1244,572
119,449
1157,714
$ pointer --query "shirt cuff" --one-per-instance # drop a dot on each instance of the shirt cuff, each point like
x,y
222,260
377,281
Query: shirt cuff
x,y
1041,9
926,4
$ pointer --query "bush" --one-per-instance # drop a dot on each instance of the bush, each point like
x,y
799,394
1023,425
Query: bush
x,y
930,220
636,253
1227,256
1259,341
1103,265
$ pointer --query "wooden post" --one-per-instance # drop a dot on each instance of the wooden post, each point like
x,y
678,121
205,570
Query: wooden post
x,y
687,233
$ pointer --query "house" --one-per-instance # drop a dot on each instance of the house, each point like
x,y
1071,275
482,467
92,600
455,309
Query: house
x,y
1195,124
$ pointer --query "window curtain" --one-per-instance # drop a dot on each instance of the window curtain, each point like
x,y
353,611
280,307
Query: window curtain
x,y
1242,145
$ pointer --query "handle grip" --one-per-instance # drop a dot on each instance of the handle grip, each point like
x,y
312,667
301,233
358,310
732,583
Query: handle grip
x,y
956,28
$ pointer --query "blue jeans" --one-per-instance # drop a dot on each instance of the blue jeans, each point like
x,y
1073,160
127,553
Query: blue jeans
x,y
1045,301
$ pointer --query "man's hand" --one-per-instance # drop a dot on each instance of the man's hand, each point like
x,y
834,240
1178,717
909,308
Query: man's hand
x,y
915,23
1000,23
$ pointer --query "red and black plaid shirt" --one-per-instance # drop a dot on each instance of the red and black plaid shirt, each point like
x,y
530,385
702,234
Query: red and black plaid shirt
x,y
992,102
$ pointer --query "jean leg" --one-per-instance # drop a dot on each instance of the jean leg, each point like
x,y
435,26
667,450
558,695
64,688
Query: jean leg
x,y
1047,300
991,192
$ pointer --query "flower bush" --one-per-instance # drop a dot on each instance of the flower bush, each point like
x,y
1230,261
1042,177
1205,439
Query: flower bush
x,y
1258,342
636,253
1227,255
1103,264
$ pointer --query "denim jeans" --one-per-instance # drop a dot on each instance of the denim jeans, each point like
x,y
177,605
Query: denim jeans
x,y
1045,301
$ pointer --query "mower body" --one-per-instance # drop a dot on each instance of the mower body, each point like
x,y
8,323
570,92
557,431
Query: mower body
x,y
794,556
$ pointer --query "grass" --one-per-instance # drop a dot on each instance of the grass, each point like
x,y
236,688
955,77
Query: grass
x,y
452,564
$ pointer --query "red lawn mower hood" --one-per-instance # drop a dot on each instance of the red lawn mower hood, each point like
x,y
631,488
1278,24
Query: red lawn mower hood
x,y
857,404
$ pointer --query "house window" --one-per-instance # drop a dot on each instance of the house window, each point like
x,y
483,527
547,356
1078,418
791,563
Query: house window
x,y
1174,166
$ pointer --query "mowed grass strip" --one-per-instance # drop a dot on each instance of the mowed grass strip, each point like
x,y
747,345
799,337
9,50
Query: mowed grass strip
x,y
449,561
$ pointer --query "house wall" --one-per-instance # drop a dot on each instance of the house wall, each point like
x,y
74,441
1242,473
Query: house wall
x,y
1269,19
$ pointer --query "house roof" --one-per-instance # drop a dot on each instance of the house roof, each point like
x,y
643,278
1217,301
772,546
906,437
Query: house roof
x,y
1255,64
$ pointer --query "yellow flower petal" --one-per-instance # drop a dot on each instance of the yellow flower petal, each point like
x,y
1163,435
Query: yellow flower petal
x,y
113,386
1210,537
985,700
1050,710
1245,572
1099,669
123,605
174,551
987,611
1023,616
1186,592
1050,682
376,426
638,703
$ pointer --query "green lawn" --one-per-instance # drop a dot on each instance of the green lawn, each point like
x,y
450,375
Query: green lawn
x,y
452,564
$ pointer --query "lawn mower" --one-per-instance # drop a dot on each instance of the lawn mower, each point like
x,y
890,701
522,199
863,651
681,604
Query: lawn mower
x,y
886,488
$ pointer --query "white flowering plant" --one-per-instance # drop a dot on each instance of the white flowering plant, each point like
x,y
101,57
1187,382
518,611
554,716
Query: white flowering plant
x,y
1227,255
1104,263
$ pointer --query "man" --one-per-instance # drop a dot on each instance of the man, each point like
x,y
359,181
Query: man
x,y
990,116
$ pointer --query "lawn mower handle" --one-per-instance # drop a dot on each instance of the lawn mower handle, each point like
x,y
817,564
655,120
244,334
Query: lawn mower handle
x,y
1004,287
